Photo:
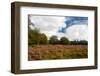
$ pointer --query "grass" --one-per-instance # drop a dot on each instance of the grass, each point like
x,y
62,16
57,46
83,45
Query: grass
x,y
49,52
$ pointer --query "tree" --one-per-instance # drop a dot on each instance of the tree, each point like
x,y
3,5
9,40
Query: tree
x,y
74,42
35,37
43,39
64,40
53,40
81,42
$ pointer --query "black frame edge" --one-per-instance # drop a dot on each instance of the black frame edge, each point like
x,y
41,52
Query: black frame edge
x,y
96,38
13,37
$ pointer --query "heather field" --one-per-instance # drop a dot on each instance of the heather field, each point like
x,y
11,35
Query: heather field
x,y
50,52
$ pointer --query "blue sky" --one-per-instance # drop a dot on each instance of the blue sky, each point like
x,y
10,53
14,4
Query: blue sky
x,y
72,27
72,20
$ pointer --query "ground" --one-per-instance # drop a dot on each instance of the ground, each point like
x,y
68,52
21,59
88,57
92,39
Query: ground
x,y
49,52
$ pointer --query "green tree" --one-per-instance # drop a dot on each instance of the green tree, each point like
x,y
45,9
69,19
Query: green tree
x,y
83,42
64,40
33,36
53,40
43,39
74,42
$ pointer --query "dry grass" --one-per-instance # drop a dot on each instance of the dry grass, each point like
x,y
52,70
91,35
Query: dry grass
x,y
47,52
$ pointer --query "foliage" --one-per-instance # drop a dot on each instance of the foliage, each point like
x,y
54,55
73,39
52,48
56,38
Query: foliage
x,y
81,42
35,37
43,39
64,40
53,40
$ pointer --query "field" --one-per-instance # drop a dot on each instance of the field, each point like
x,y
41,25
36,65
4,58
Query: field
x,y
47,52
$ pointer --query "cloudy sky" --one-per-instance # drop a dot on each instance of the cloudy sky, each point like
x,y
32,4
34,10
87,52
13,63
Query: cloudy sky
x,y
72,27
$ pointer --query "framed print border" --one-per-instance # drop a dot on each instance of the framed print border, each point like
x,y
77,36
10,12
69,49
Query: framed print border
x,y
15,37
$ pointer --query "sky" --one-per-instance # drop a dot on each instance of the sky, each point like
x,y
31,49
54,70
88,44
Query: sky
x,y
72,27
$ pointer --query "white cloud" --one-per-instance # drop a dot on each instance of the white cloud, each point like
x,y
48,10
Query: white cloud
x,y
77,32
51,24
48,24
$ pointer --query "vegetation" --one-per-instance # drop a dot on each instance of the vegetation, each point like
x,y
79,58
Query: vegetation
x,y
64,41
45,52
35,37
53,40
40,48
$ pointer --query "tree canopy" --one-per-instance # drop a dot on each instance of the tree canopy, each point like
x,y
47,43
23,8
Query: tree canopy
x,y
53,40
64,40
35,37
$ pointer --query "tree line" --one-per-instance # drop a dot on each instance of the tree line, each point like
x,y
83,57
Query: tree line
x,y
35,37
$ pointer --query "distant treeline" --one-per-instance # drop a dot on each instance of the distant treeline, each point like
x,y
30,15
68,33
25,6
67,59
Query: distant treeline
x,y
35,37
